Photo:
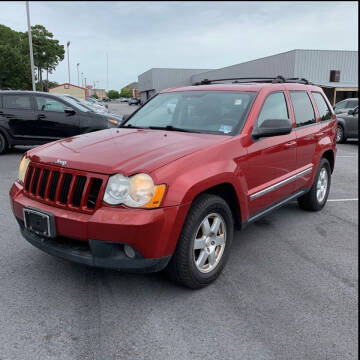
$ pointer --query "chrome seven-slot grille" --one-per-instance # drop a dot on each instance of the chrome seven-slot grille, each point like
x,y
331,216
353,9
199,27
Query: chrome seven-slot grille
x,y
65,188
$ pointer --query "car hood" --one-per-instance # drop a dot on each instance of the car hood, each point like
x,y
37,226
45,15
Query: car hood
x,y
128,151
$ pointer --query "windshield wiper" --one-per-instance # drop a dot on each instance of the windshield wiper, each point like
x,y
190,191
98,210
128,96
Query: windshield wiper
x,y
170,128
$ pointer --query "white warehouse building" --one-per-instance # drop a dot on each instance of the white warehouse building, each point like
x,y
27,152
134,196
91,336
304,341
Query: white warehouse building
x,y
336,71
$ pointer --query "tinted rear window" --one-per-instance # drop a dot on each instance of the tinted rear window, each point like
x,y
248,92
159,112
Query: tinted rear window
x,y
324,111
303,109
17,102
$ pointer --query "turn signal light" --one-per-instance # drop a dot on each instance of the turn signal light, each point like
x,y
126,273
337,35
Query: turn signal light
x,y
157,197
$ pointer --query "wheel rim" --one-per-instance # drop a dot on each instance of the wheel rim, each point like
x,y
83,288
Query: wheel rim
x,y
339,134
322,185
209,242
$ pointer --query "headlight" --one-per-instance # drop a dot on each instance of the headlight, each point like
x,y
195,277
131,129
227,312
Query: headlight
x,y
22,168
134,191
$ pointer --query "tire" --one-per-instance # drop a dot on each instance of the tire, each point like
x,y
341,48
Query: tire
x,y
182,267
340,137
3,144
311,201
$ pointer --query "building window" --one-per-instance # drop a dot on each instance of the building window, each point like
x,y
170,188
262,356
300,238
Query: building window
x,y
334,75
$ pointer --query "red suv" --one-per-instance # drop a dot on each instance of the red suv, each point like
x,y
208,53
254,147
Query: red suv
x,y
168,188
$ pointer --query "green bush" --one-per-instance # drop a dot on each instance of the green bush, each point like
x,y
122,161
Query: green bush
x,y
126,93
113,94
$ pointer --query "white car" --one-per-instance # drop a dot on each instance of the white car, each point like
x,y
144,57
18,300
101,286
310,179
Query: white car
x,y
88,104
97,104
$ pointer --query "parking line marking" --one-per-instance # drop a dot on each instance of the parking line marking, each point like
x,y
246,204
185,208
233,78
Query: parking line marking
x,y
342,156
355,199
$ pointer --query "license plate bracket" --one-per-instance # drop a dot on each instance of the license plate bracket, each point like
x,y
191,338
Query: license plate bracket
x,y
39,222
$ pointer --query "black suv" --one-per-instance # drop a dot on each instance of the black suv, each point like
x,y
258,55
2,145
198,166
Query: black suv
x,y
134,101
35,118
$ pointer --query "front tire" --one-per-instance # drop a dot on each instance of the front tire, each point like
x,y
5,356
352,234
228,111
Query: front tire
x,y
204,244
3,144
340,137
316,198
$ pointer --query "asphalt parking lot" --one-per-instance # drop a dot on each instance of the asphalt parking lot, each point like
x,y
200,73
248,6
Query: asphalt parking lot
x,y
289,291
119,108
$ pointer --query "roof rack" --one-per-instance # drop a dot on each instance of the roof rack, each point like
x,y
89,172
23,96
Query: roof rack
x,y
274,80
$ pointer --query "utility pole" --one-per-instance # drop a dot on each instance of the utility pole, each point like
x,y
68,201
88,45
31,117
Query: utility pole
x,y
107,71
30,47
77,66
68,44
82,79
85,82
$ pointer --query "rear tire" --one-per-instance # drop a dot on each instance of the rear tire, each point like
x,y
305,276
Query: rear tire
x,y
3,144
316,198
204,244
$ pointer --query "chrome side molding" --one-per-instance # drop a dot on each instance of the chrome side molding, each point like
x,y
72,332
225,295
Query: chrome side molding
x,y
279,184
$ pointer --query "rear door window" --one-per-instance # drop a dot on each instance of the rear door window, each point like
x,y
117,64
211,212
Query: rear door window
x,y
324,111
21,102
303,109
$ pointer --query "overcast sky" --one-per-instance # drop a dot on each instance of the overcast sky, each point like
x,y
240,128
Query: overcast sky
x,y
142,35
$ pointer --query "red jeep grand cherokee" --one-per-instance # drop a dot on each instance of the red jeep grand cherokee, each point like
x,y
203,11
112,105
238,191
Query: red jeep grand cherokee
x,y
168,187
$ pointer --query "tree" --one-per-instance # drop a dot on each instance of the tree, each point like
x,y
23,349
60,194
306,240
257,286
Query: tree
x,y
113,94
46,84
15,70
95,96
47,51
126,93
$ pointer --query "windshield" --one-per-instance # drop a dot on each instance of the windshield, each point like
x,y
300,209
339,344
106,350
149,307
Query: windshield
x,y
217,112
340,105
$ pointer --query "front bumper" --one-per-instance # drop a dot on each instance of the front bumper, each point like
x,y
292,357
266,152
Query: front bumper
x,y
94,253
98,239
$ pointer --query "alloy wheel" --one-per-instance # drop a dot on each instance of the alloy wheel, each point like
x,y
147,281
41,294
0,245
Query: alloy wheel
x,y
339,134
209,243
322,185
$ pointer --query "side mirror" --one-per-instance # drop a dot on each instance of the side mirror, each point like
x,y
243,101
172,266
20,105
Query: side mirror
x,y
351,112
69,111
273,127
124,118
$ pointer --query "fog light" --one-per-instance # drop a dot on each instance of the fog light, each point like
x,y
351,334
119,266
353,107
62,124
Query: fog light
x,y
129,251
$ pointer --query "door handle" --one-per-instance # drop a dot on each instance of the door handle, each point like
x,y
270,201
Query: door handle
x,y
290,144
